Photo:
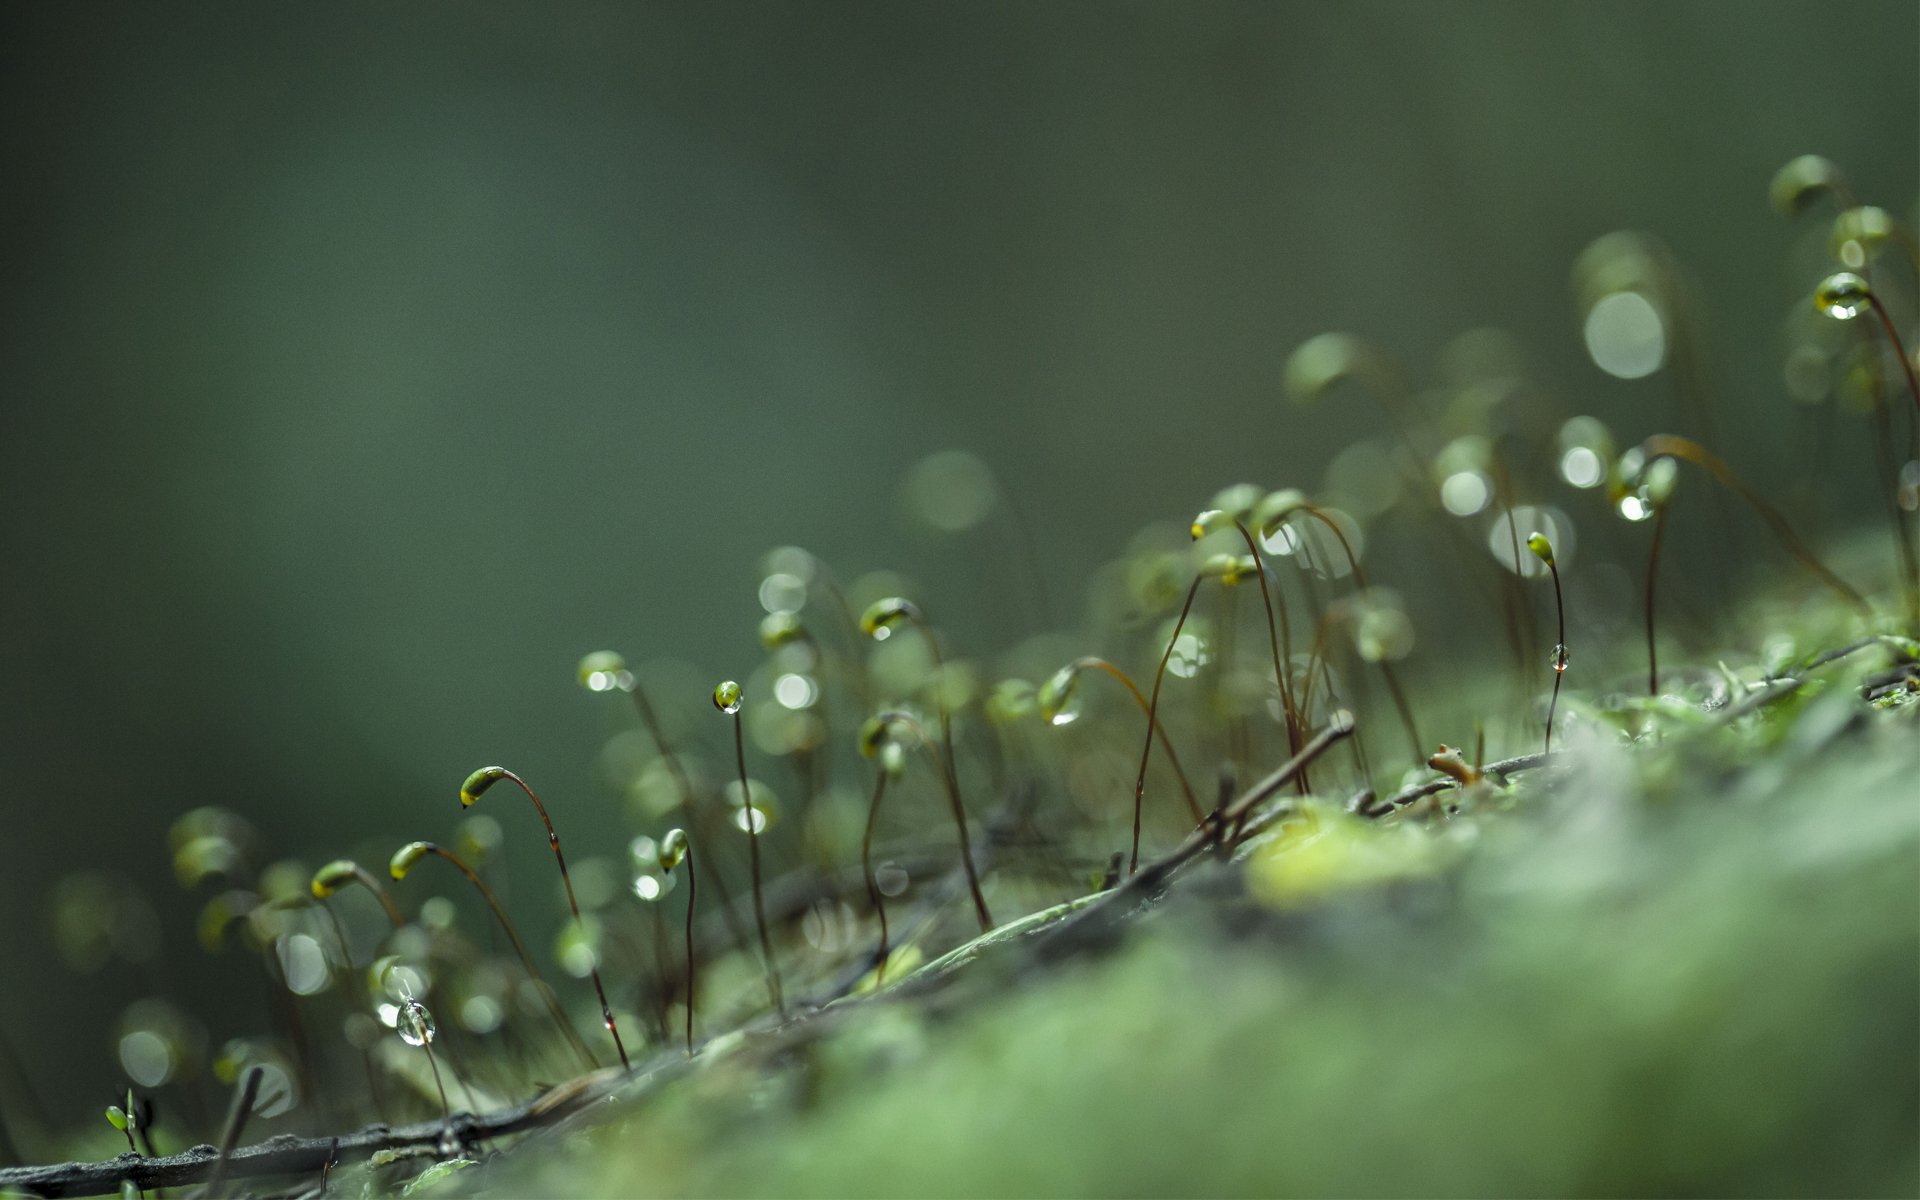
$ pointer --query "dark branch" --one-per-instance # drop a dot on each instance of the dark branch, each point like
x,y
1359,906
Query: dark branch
x,y
289,1155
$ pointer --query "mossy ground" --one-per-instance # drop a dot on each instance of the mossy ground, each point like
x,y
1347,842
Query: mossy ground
x,y
1685,964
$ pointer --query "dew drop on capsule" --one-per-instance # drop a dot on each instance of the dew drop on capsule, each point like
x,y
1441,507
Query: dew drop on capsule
x,y
415,1024
1559,659
1843,296
727,697
1059,699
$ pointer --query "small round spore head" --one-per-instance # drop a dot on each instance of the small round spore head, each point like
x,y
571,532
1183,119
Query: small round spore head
x,y
1208,520
882,615
1843,296
479,782
728,697
406,856
673,849
117,1117
1541,547
332,877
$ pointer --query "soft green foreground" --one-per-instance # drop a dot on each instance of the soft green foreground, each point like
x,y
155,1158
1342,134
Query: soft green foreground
x,y
1689,967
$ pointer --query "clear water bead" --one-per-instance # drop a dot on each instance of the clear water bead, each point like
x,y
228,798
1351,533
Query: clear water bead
x,y
1559,657
415,1024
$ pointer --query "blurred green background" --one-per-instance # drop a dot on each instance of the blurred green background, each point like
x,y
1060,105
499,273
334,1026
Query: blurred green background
x,y
362,366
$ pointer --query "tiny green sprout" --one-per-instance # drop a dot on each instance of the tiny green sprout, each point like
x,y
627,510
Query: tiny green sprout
x,y
882,615
728,698
674,850
479,782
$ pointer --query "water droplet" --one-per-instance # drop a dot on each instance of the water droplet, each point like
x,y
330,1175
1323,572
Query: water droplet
x,y
795,691
604,671
415,1024
1581,467
1465,493
1190,653
727,697
951,491
1626,336
302,964
1559,659
1059,698
1383,633
1843,296
782,592
481,1014
147,1058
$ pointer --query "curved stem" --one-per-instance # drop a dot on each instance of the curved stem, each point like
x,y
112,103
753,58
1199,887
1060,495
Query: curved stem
x,y
1281,662
1667,445
951,769
1899,351
1126,681
753,855
953,796
1559,649
693,888
553,843
1653,568
367,880
1153,708
520,949
866,868
1387,672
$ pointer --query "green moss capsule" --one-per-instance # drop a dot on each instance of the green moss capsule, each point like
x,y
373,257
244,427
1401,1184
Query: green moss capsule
x,y
479,782
332,877
604,671
728,697
779,629
1843,296
882,615
1802,181
1541,547
1059,696
673,849
406,856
